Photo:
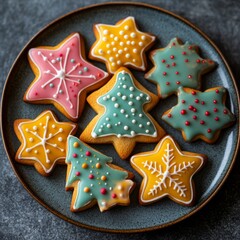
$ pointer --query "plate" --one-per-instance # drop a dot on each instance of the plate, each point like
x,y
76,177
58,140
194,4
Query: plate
x,y
50,192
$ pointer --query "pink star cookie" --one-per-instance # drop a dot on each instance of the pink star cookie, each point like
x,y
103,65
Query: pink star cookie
x,y
63,76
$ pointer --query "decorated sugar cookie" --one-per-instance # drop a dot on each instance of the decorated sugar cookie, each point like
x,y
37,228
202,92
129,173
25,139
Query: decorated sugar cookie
x,y
167,171
121,45
200,115
123,119
63,76
94,179
43,141
177,65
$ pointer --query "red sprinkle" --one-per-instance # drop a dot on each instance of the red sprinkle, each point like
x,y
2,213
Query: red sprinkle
x,y
178,82
215,101
167,65
77,173
190,47
217,91
215,109
196,101
198,61
91,176
183,112
172,56
189,76
195,110
88,153
177,72
193,93
225,111
204,61
173,64
36,93
79,64
164,73
114,195
184,53
202,102
99,75
163,61
167,83
187,123
216,118
103,190
190,107
174,44
194,117
209,130
183,101
202,122
207,113
74,155
60,55
169,115
186,60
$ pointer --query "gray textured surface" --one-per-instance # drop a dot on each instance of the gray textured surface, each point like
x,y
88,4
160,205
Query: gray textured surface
x,y
21,217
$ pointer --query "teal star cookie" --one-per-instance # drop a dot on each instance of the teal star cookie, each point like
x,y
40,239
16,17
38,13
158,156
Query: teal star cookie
x,y
200,115
177,65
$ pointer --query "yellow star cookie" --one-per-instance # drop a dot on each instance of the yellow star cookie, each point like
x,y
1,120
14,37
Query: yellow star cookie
x,y
121,45
43,141
167,171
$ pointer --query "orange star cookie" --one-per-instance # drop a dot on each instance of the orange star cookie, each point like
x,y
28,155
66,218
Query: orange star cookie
x,y
167,171
43,141
121,45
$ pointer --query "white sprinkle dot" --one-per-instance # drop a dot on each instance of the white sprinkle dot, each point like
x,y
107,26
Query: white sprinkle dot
x,y
111,59
121,43
148,123
147,131
133,110
126,27
143,37
133,42
30,139
109,125
116,105
119,94
105,32
124,86
122,110
131,89
127,55
130,103
113,99
121,32
135,50
100,51
124,97
116,39
133,35
140,125
132,133
138,98
119,62
140,44
125,128
134,121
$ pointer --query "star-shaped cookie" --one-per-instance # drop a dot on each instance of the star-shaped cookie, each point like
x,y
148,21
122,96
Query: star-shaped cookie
x,y
177,65
121,45
43,141
167,171
123,119
200,115
63,76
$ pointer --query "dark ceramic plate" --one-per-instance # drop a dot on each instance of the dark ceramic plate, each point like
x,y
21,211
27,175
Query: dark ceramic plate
x,y
50,192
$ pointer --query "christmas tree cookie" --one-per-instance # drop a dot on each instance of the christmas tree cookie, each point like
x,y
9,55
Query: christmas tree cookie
x,y
63,76
200,115
167,171
94,179
43,141
177,65
121,45
122,106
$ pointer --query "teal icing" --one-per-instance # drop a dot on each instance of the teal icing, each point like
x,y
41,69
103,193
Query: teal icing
x,y
186,71
96,184
124,115
215,111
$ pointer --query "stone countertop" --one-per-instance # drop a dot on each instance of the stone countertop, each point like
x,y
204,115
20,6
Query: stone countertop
x,y
21,217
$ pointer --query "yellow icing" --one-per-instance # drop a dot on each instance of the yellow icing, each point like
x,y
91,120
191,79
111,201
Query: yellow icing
x,y
121,44
167,171
44,140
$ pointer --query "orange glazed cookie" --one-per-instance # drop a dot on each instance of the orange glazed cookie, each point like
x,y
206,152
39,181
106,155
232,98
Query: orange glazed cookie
x,y
94,179
167,171
43,141
63,76
123,119
121,45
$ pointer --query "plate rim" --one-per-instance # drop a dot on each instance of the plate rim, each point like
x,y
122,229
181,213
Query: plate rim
x,y
110,230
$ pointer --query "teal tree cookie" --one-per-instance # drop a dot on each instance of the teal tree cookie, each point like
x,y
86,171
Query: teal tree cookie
x,y
123,119
93,180
200,114
177,65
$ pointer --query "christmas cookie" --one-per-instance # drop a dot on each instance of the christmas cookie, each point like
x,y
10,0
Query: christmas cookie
x,y
177,65
200,115
123,119
167,171
63,76
94,179
43,141
121,45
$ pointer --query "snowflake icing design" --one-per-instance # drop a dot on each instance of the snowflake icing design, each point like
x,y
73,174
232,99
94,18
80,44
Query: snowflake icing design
x,y
172,176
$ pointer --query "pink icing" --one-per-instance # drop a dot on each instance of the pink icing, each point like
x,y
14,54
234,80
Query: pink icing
x,y
63,75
